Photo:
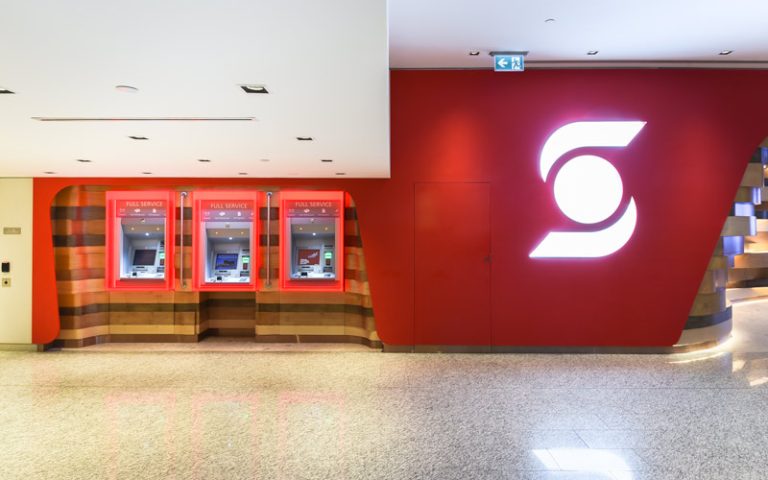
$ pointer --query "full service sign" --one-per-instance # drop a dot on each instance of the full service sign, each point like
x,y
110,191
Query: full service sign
x,y
142,208
312,208
237,210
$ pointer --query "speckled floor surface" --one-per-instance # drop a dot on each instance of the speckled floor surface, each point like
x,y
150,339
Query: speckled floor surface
x,y
223,411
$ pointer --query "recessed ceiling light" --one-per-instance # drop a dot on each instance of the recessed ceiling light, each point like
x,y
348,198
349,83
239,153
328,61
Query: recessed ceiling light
x,y
254,88
726,52
340,173
137,137
83,160
593,52
50,173
146,173
304,139
126,89
549,20
474,53
326,160
264,160
203,160
5,90
242,173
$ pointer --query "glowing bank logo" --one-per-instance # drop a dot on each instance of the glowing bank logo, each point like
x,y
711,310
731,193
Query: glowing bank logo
x,y
588,190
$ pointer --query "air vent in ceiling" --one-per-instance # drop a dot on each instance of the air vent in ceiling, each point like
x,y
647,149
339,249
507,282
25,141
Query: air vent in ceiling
x,y
144,119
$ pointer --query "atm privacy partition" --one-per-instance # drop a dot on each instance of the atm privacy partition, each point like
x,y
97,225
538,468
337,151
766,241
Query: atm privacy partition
x,y
312,241
225,240
140,240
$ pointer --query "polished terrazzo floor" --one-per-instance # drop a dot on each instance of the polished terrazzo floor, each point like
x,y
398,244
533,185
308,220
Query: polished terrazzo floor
x,y
228,410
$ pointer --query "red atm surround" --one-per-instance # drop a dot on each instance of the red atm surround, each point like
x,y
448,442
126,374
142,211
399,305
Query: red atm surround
x,y
311,204
205,205
139,204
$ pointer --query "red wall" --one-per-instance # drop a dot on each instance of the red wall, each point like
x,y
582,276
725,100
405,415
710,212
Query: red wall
x,y
683,170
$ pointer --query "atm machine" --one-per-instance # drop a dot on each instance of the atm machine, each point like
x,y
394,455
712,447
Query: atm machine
x,y
312,243
139,240
224,240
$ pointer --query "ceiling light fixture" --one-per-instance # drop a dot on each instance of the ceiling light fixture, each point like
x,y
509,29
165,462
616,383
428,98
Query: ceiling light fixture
x,y
146,173
304,139
5,91
254,88
126,89
593,52
242,173
326,160
50,173
549,20
474,53
203,160
83,160
340,173
137,137
726,52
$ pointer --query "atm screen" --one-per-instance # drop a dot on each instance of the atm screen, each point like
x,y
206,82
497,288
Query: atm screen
x,y
226,261
309,257
144,257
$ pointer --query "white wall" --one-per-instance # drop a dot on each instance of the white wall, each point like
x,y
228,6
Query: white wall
x,y
16,300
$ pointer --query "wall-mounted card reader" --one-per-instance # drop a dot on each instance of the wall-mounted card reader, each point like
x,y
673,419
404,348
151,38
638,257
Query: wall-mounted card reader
x,y
5,267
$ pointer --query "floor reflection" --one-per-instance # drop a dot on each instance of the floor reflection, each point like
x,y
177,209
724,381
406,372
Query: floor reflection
x,y
239,413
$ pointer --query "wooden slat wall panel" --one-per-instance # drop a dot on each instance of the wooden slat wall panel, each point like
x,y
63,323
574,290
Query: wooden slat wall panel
x,y
90,315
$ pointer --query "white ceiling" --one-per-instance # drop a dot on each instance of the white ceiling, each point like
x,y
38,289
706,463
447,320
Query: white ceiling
x,y
324,63
438,34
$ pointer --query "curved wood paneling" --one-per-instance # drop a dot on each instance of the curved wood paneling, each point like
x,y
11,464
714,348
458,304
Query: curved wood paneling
x,y
90,315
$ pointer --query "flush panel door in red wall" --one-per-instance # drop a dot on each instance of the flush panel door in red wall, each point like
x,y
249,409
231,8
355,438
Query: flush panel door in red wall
x,y
453,270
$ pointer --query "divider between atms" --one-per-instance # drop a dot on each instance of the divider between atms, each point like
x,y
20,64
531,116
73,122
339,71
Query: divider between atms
x,y
225,240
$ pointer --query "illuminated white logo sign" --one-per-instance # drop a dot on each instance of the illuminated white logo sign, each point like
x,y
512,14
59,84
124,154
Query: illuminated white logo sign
x,y
588,190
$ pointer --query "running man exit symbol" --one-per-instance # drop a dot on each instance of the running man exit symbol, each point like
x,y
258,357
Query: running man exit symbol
x,y
508,63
